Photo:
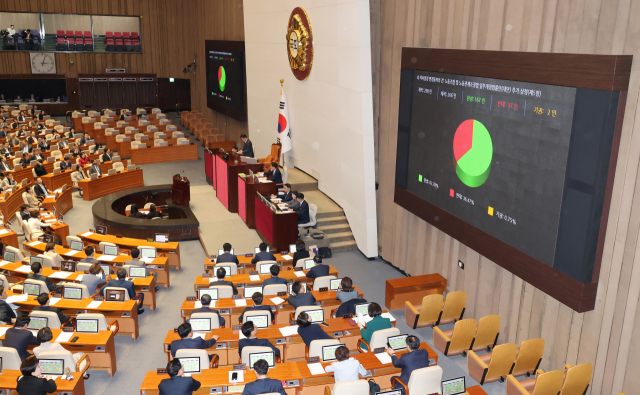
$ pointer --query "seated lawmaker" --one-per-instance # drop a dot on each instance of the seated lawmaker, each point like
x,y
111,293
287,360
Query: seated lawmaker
x,y
40,189
4,165
263,255
43,301
121,282
345,368
276,175
309,331
177,383
227,256
257,305
153,212
39,169
134,213
293,204
7,315
413,360
106,157
301,252
36,267
20,338
346,292
187,341
66,164
303,210
263,384
299,298
251,332
286,198
319,270
275,271
206,302
220,274
377,323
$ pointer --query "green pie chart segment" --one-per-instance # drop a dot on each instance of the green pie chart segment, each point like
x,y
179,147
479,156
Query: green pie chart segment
x,y
473,151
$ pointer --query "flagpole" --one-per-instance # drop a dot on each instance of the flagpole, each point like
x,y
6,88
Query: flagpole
x,y
281,88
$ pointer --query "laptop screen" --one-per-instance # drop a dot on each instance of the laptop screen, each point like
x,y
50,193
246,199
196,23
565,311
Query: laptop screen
x,y
52,366
191,365
38,322
148,253
316,315
47,238
31,289
258,249
329,352
221,251
101,230
390,392
260,321
35,259
9,256
72,293
454,386
397,342
106,269
111,250
138,272
162,238
200,324
114,295
213,292
362,309
267,356
302,290
292,248
334,285
76,245
249,291
265,268
87,326
308,264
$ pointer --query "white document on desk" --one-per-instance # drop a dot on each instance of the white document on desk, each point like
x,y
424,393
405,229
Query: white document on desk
x,y
241,302
198,305
17,298
3,232
3,330
147,260
299,274
289,330
94,305
53,301
277,300
383,357
34,243
2,263
24,269
213,280
199,334
71,253
50,220
106,258
287,257
254,277
316,368
86,234
64,337
389,316
60,275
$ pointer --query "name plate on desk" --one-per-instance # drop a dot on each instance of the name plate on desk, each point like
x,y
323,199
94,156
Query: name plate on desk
x,y
253,273
282,293
191,298
67,329
96,298
313,359
162,371
241,366
236,327
224,311
378,350
338,334
293,383
282,340
347,316
284,252
323,289
220,346
236,297
298,269
206,275
248,255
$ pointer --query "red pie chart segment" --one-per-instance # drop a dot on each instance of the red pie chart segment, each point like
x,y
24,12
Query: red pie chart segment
x,y
463,139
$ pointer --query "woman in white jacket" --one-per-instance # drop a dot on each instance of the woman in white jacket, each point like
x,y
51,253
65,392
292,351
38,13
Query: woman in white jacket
x,y
36,225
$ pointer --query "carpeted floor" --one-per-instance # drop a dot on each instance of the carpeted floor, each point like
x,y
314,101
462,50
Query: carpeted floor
x,y
134,359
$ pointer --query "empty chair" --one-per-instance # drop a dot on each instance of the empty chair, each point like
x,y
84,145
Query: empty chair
x,y
159,135
71,238
378,339
349,387
84,291
159,142
215,319
111,132
57,154
529,357
172,128
576,379
322,282
422,381
494,366
46,260
425,315
88,41
121,138
118,166
182,141
543,384
455,341
152,128
177,135
454,306
487,334
300,309
19,255
106,243
10,358
224,291
156,110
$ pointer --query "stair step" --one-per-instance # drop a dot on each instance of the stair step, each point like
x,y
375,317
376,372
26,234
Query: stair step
x,y
329,214
305,186
337,228
339,236
343,246
332,221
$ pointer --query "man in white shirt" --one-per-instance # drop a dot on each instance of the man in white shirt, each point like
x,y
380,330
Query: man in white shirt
x,y
11,30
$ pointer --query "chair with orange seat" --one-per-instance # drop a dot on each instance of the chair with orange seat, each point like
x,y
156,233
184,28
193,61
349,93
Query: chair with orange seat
x,y
220,137
204,133
455,341
186,118
543,384
454,306
576,379
494,366
529,357
425,315
487,334
274,156
198,130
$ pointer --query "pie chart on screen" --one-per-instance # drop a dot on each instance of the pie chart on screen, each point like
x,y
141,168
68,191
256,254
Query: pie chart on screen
x,y
472,152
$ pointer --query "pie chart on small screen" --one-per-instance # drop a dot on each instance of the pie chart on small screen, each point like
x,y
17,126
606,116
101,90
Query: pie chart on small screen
x,y
472,152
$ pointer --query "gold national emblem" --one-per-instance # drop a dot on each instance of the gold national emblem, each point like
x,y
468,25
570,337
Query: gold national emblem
x,y
300,44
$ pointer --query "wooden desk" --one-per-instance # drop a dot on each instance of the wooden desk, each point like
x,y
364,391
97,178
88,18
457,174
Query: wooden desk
x,y
241,279
63,204
159,265
245,265
225,145
9,381
247,188
143,156
10,238
288,371
55,181
124,148
412,289
125,312
227,179
93,189
26,172
87,343
279,230
169,250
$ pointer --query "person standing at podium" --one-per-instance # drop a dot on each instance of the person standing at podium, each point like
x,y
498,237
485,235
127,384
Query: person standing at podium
x,y
247,147
276,175
227,256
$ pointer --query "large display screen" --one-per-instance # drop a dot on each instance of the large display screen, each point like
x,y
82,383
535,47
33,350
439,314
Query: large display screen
x,y
523,162
226,82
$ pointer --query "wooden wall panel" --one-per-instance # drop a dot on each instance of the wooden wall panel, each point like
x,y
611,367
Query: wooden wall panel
x,y
608,337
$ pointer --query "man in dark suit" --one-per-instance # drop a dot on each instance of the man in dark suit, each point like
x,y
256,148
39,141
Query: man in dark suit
x,y
247,147
13,141
263,255
32,139
66,164
40,189
37,155
414,359
63,143
263,384
19,337
276,175
26,160
95,168
121,282
287,197
220,274
251,332
43,145
106,157
90,251
275,270
43,301
206,302
299,298
5,132
257,305
303,210
4,165
187,341
177,383
227,256
35,275
84,139
153,212
24,212
7,315
319,270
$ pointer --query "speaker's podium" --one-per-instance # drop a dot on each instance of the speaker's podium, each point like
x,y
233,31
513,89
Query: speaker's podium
x,y
180,191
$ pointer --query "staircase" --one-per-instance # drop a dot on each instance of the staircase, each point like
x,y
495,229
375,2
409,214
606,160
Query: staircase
x,y
337,230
